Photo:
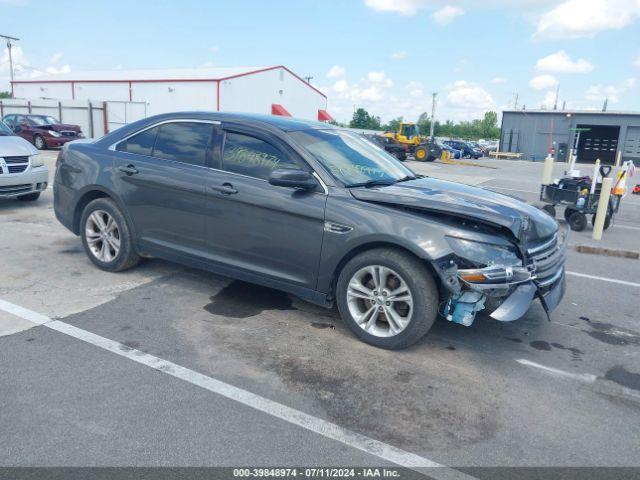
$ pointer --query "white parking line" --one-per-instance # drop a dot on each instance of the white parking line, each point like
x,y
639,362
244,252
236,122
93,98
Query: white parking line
x,y
583,377
628,227
604,279
270,407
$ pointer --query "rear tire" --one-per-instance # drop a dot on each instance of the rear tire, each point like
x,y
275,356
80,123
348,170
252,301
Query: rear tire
x,y
411,314
607,221
106,236
29,197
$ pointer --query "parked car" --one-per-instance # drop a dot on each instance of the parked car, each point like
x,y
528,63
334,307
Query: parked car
x,y
23,174
395,149
44,131
479,149
489,145
313,210
466,149
444,146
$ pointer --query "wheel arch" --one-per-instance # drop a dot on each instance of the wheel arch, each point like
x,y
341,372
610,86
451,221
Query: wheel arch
x,y
90,193
371,245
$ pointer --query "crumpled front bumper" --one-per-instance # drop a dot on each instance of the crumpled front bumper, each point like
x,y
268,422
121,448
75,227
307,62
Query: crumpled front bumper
x,y
517,304
548,284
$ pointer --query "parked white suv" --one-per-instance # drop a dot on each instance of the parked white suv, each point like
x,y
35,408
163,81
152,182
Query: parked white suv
x,y
23,174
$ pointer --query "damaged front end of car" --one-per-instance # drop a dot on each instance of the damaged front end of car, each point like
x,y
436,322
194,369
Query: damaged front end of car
x,y
503,278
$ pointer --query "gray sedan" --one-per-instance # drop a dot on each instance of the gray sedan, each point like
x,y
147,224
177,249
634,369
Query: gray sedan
x,y
313,210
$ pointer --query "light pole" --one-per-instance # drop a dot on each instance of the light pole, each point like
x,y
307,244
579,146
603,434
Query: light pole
x,y
433,116
8,39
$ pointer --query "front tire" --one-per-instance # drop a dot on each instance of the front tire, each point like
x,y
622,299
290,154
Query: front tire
x,y
420,154
106,236
39,142
387,298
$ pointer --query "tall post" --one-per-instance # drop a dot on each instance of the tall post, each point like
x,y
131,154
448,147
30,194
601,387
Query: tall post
x,y
603,207
10,60
433,116
9,46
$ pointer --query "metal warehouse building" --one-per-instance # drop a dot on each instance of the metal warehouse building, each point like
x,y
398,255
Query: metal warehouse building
x,y
594,134
271,90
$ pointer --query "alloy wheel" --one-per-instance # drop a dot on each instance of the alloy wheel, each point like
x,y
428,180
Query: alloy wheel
x,y
102,235
379,301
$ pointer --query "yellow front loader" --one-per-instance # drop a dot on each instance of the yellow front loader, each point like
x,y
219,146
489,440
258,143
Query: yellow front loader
x,y
409,136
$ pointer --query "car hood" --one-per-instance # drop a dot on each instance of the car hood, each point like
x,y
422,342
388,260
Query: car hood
x,y
14,146
527,223
60,127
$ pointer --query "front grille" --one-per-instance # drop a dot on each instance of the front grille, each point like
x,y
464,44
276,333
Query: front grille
x,y
17,168
14,165
10,160
15,188
547,260
68,133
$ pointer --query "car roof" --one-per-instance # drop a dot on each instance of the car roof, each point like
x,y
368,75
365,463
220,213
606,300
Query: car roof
x,y
286,124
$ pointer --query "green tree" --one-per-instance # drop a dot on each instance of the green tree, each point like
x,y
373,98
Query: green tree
x,y
489,125
393,125
362,119
5,95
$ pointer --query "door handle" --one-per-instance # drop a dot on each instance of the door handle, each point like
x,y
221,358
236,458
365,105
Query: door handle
x,y
225,189
129,170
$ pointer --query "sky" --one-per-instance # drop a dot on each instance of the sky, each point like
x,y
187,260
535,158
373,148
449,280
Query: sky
x,y
387,56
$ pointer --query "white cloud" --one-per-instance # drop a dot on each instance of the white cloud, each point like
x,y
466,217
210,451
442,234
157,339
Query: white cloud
x,y
549,100
542,82
498,80
560,62
636,62
340,86
55,58
336,72
447,14
23,69
586,18
380,79
612,92
400,55
214,49
403,7
20,62
465,100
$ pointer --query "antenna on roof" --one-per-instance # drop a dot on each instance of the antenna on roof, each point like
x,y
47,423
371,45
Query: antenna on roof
x,y
555,103
308,78
604,105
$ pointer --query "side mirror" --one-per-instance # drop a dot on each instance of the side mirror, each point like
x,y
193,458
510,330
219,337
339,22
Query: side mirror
x,y
293,178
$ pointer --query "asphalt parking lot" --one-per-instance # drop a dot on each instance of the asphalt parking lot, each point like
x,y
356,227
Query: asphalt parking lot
x,y
80,386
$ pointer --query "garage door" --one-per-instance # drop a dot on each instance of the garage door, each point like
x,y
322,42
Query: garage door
x,y
598,141
632,143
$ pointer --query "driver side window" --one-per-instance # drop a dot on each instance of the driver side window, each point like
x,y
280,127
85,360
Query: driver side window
x,y
252,157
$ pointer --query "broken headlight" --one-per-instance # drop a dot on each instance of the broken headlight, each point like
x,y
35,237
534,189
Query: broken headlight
x,y
487,263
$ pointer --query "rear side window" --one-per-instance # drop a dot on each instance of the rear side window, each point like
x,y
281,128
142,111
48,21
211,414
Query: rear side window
x,y
141,144
185,142
252,157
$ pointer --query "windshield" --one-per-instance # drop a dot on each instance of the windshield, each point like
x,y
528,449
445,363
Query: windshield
x,y
4,130
351,158
409,130
43,120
